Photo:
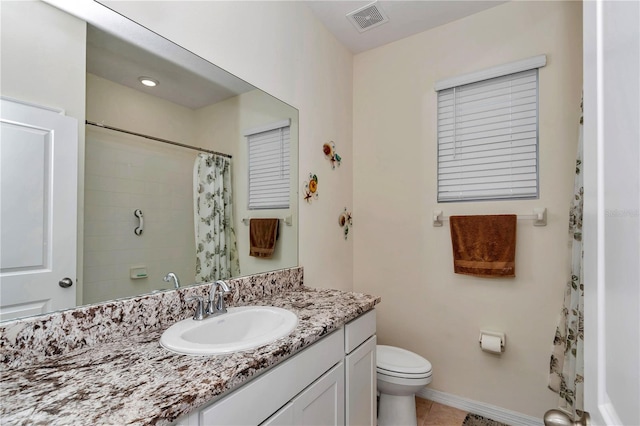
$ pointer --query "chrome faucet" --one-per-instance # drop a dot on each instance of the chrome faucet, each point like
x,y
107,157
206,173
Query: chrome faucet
x,y
199,314
214,307
219,288
171,276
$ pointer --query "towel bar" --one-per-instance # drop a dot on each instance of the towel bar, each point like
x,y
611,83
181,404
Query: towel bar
x,y
288,220
539,217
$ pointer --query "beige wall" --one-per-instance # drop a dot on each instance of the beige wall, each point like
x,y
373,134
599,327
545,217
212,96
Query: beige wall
x,y
280,47
225,123
401,257
124,173
43,62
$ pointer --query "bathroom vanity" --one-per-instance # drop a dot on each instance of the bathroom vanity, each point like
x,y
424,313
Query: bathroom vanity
x,y
103,364
333,378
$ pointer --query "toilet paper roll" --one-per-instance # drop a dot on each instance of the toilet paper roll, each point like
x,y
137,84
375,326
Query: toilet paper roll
x,y
490,344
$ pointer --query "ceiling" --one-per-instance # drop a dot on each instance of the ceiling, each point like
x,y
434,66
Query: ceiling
x,y
117,60
110,57
405,18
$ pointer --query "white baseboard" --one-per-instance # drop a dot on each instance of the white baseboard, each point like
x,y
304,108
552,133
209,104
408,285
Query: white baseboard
x,y
492,412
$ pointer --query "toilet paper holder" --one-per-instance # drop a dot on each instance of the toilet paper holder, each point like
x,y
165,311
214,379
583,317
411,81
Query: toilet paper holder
x,y
499,334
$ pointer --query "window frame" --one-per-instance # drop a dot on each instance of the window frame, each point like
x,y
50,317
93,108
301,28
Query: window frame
x,y
492,78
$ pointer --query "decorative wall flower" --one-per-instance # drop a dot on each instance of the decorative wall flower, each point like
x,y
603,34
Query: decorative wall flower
x,y
311,188
313,185
329,150
345,221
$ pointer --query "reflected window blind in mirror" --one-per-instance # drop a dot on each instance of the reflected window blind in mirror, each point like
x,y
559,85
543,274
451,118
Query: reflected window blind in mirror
x,y
269,165
488,138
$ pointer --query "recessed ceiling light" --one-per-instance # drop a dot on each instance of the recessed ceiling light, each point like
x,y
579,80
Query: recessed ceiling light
x,y
148,81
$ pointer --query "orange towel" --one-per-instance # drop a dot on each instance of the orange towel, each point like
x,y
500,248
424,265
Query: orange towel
x,y
263,234
484,246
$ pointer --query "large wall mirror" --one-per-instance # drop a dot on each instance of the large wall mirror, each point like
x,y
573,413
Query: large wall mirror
x,y
140,195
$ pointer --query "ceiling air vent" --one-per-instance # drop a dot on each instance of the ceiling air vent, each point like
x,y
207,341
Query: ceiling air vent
x,y
367,17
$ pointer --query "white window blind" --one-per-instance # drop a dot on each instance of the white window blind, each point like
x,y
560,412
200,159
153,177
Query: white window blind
x,y
488,139
269,169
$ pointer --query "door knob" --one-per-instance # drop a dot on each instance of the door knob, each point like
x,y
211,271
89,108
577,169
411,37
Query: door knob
x,y
65,283
560,418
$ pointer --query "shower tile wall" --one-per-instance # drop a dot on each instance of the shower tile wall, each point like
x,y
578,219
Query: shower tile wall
x,y
124,173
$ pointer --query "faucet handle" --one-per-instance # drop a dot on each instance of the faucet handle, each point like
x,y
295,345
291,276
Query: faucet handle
x,y
199,313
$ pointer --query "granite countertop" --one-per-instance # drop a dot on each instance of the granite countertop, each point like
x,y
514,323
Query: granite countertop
x,y
136,381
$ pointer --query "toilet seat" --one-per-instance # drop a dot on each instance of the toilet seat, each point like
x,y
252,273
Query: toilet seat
x,y
396,375
398,362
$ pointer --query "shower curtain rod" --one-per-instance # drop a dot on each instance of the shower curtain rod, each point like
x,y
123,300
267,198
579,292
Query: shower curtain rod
x,y
104,126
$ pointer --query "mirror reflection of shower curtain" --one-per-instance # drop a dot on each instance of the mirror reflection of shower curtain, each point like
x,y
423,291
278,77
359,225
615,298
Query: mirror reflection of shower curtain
x,y
216,249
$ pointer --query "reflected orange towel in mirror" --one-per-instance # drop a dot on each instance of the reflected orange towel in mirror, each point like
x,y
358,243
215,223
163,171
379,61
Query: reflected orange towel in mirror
x,y
484,246
263,234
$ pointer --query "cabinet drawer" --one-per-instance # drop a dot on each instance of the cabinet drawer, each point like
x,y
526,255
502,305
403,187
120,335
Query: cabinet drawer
x,y
359,330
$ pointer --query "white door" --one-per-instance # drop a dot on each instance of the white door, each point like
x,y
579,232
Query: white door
x,y
612,210
38,209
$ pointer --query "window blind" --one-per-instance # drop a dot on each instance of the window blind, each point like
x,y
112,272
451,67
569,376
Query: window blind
x,y
269,169
488,139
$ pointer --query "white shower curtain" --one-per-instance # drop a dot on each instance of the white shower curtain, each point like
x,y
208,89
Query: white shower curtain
x,y
216,250
566,376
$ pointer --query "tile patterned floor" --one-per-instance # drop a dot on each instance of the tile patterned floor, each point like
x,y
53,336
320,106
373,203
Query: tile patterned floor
x,y
431,413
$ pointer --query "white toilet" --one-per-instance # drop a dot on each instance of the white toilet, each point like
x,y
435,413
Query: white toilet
x,y
401,374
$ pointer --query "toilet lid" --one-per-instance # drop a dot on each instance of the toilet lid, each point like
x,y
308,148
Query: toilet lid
x,y
400,360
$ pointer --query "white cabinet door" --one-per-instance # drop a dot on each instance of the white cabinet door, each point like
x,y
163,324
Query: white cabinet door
x,y
284,417
38,209
360,391
322,403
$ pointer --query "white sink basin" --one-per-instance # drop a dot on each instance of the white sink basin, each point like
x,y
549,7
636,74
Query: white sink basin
x,y
239,329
